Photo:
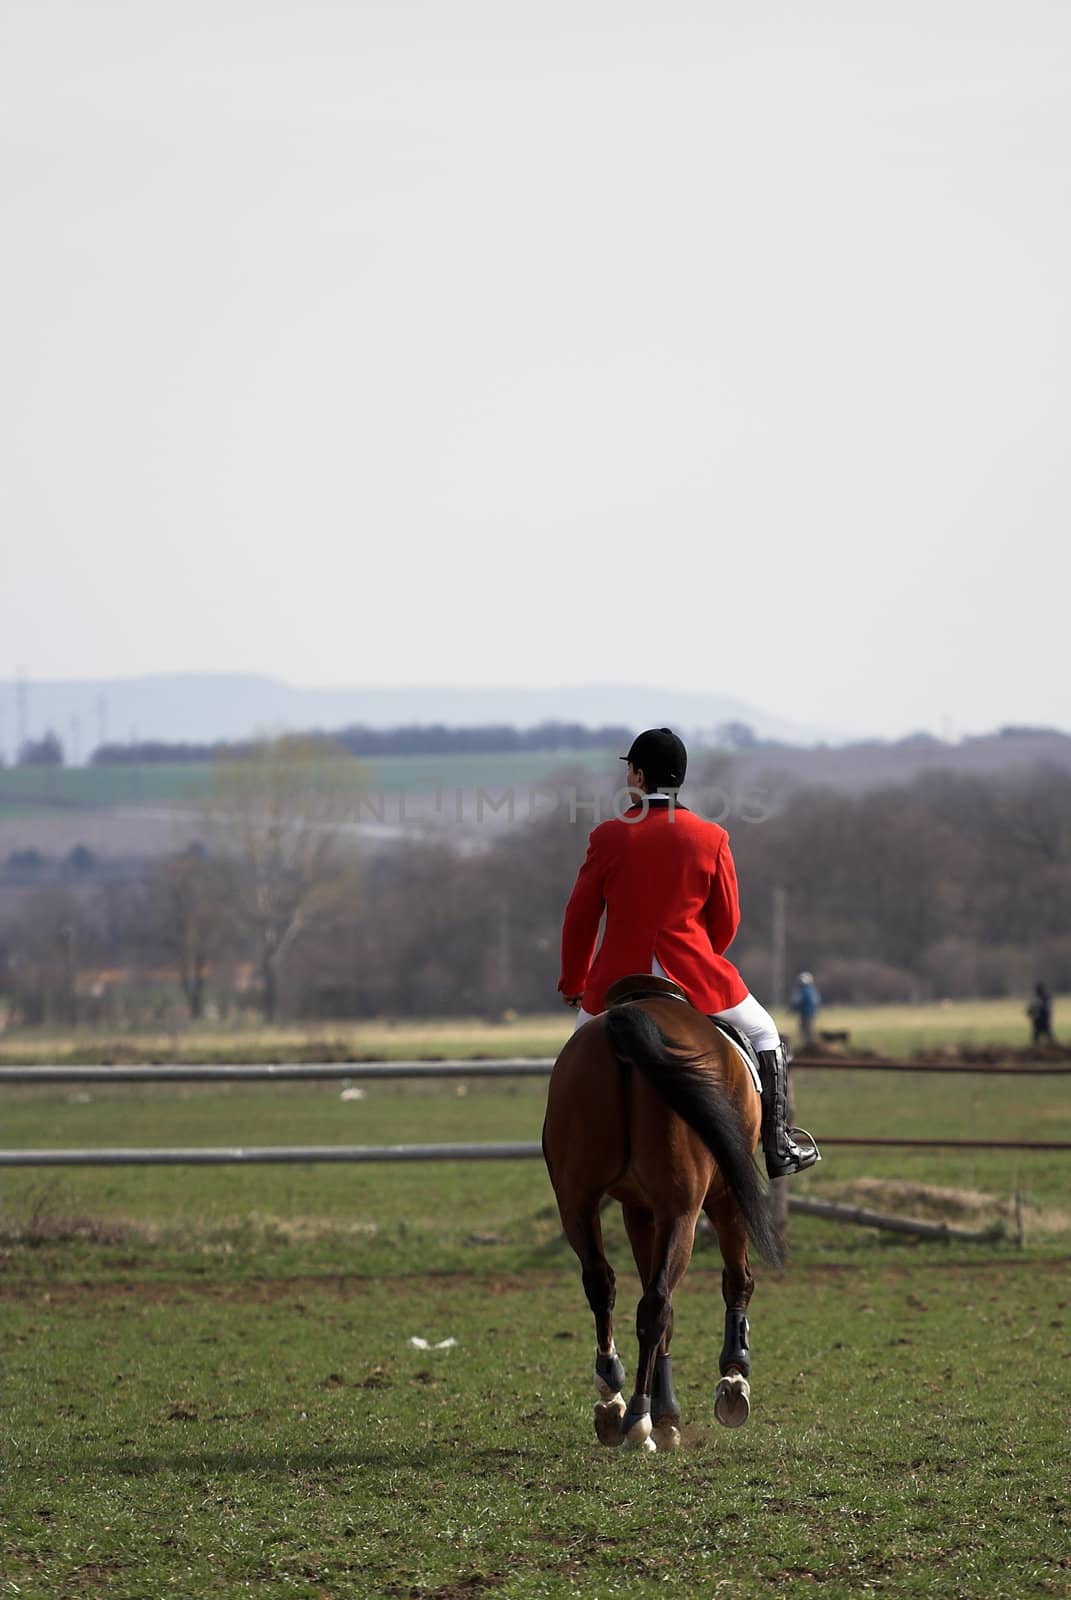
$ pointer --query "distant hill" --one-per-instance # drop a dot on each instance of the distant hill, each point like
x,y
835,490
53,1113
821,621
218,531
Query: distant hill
x,y
205,707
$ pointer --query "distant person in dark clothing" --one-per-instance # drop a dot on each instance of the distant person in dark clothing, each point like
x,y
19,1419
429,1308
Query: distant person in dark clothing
x,y
1040,1013
805,1003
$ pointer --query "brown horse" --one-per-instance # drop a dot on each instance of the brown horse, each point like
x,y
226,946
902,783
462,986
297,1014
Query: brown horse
x,y
650,1104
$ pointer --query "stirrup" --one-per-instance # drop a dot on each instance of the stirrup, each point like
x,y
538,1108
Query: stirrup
x,y
795,1157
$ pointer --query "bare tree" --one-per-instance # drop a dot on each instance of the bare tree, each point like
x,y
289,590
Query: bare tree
x,y
279,818
189,911
53,939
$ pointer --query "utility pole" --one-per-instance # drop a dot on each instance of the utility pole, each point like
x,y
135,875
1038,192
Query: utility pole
x,y
778,948
21,716
505,955
778,964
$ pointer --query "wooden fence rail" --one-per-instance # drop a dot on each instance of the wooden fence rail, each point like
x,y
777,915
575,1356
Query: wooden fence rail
x,y
513,1067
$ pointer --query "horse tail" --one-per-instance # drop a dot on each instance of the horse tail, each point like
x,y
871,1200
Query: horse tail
x,y
691,1090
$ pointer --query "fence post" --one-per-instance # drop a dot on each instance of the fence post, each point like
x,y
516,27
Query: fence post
x,y
779,1210
779,1186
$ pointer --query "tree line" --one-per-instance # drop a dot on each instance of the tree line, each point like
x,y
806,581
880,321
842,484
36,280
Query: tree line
x,y
413,739
948,886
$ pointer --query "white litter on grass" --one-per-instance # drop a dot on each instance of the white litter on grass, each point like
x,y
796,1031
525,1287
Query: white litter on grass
x,y
353,1094
415,1342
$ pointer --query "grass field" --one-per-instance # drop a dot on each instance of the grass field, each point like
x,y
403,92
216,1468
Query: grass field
x,y
25,791
280,1438
898,1032
209,1390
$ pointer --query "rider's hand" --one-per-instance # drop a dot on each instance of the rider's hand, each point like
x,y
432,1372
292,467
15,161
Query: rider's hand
x,y
572,1000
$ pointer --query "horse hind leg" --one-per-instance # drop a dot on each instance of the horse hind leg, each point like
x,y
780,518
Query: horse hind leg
x,y
732,1398
584,1232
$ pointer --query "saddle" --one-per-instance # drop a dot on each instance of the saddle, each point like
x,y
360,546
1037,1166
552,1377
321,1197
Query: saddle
x,y
643,986
647,986
745,1047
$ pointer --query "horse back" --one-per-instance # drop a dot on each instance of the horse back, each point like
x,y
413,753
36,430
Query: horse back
x,y
609,1130
667,1157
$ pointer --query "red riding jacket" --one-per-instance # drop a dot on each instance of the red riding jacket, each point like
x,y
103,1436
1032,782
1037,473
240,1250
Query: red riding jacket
x,y
668,885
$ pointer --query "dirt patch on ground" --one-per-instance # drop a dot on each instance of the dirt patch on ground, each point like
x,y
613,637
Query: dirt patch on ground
x,y
992,1054
1056,1056
930,1203
163,1290
295,1290
43,1224
48,1218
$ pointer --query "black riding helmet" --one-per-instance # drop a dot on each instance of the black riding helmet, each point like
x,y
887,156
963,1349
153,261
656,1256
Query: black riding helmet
x,y
660,755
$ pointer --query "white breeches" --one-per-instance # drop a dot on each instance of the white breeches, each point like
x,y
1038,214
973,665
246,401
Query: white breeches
x,y
755,1021
749,1016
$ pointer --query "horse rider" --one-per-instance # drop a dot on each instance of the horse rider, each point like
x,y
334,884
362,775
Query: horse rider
x,y
666,880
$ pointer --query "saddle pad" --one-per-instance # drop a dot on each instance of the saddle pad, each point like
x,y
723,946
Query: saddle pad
x,y
742,1045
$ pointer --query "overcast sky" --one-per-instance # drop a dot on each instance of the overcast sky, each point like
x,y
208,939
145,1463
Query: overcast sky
x,y
721,345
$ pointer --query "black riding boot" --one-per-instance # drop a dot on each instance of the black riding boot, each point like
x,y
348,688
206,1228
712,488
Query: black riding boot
x,y
779,1142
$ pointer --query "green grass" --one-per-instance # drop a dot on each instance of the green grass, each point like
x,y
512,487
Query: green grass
x,y
489,770
390,1218
25,791
902,1031
465,1038
281,1438
898,1032
208,1388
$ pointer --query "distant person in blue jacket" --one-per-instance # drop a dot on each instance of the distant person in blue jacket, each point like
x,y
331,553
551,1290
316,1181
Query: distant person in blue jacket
x,y
805,1003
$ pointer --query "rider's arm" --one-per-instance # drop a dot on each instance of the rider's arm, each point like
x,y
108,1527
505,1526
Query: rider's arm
x,y
722,911
580,929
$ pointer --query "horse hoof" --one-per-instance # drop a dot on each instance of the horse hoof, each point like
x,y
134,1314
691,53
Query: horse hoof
x,y
732,1401
638,1436
666,1434
608,1414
